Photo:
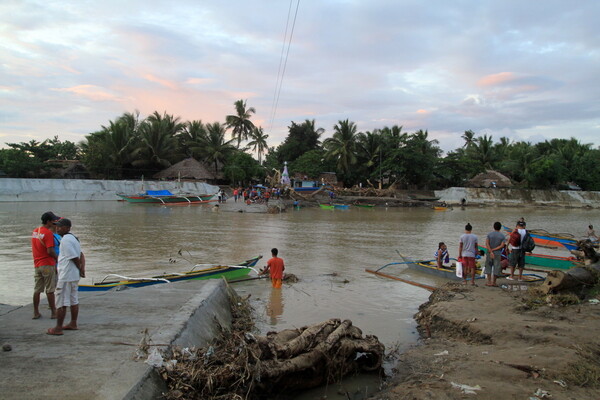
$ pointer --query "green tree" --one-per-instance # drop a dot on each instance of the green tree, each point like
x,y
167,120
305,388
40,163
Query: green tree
x,y
241,169
159,146
240,122
191,136
214,148
301,138
312,163
469,138
484,152
259,142
342,147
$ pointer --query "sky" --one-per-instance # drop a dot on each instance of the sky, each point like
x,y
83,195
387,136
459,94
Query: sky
x,y
525,70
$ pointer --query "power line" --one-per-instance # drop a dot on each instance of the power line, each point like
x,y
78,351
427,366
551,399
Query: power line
x,y
281,72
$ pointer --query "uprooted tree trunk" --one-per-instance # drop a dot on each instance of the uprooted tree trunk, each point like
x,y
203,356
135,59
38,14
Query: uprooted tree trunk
x,y
573,279
242,365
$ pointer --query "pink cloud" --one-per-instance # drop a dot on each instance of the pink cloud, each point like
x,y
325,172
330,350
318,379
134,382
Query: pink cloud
x,y
496,79
91,92
162,82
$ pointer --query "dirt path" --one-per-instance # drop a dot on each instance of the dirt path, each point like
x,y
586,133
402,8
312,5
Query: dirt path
x,y
503,346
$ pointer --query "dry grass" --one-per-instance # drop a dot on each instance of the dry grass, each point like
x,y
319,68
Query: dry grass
x,y
586,371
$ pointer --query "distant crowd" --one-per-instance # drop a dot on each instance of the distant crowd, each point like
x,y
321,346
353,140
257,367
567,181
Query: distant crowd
x,y
251,194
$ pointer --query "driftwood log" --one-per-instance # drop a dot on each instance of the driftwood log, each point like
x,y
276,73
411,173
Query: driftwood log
x,y
575,278
245,366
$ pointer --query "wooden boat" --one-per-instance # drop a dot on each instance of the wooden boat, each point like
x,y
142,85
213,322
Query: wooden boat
x,y
422,198
548,261
326,206
430,267
549,239
439,208
230,272
165,197
363,205
341,206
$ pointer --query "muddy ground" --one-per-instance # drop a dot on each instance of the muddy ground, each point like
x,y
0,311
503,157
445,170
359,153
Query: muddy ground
x,y
494,343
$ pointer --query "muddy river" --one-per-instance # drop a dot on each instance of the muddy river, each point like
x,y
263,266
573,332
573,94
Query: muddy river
x,y
327,249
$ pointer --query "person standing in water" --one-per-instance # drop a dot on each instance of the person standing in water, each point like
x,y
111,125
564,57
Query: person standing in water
x,y
275,267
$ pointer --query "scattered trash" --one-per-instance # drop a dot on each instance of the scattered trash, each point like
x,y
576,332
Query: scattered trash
x,y
485,352
594,301
170,365
472,319
544,394
6,347
154,358
442,353
466,389
561,383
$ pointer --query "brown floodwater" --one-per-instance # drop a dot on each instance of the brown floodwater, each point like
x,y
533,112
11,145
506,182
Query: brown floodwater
x,y
328,250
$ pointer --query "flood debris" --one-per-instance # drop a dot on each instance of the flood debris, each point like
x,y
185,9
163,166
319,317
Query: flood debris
x,y
242,365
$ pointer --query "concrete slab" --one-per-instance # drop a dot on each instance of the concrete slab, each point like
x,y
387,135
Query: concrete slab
x,y
97,361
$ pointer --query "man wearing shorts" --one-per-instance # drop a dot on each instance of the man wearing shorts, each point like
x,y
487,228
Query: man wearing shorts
x,y
44,261
70,268
275,268
516,257
467,249
495,242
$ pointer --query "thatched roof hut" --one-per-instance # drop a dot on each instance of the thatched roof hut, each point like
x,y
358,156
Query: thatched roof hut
x,y
490,178
190,169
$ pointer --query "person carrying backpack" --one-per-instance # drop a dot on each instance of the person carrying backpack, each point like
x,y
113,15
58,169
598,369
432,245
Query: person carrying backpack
x,y
516,258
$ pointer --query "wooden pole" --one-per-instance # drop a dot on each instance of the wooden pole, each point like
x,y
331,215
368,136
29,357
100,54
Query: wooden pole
x,y
430,288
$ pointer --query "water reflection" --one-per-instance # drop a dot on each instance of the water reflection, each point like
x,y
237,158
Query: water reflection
x,y
275,306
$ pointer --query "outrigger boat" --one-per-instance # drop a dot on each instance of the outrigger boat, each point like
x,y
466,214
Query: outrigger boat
x,y
166,197
548,261
430,267
363,205
545,238
341,206
208,271
326,206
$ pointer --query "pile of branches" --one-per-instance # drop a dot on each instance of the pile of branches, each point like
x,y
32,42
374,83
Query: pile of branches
x,y
240,365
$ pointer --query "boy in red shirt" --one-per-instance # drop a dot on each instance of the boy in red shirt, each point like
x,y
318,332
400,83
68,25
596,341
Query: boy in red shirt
x,y
276,267
44,261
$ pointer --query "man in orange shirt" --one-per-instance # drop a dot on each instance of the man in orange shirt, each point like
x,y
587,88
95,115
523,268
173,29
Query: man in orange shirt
x,y
275,267
44,261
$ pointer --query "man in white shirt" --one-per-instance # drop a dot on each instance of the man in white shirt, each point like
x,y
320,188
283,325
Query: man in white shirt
x,y
71,267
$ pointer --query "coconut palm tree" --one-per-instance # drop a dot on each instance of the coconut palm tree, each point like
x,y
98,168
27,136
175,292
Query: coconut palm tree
x,y
342,146
214,148
469,137
159,146
259,142
484,151
240,122
192,135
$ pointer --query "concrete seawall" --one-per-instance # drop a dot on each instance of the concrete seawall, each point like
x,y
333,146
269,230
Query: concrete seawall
x,y
519,197
97,361
13,189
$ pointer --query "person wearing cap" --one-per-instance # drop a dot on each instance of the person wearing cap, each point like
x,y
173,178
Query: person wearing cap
x,y
44,262
516,257
71,267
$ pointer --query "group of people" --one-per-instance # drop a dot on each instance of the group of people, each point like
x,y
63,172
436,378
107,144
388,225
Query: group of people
x,y
59,264
255,193
501,252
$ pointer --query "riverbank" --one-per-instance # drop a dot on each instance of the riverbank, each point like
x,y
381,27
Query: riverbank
x,y
34,190
497,344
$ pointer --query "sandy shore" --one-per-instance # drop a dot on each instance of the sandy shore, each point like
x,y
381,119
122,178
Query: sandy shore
x,y
493,343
